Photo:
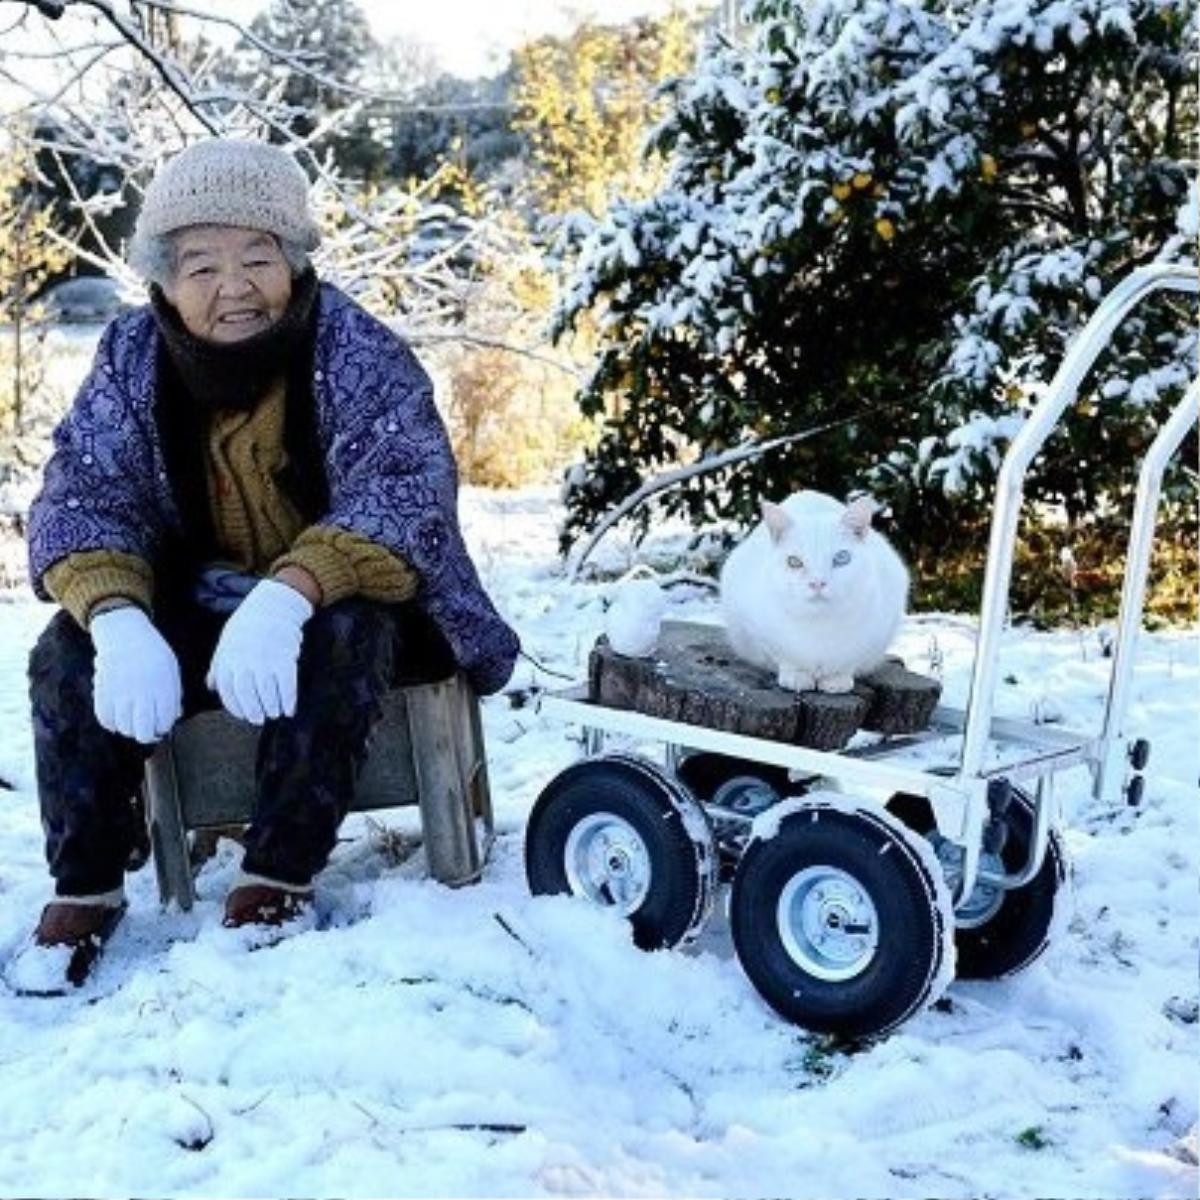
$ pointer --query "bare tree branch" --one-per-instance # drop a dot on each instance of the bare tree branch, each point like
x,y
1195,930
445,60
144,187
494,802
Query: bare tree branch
x,y
44,102
167,70
426,339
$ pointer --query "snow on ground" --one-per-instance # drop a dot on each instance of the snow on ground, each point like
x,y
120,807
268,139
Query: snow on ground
x,y
427,1042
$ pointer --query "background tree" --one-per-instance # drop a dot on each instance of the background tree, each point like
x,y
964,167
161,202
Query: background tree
x,y
28,258
333,40
69,180
586,102
468,120
894,217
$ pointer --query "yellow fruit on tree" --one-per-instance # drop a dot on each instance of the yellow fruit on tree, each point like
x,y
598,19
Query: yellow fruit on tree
x,y
841,191
862,179
885,229
988,168
774,95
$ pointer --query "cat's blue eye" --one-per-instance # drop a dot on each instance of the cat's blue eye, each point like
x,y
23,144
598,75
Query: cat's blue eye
x,y
841,558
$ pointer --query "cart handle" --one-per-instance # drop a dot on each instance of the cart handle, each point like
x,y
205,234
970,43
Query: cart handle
x,y
1082,352
1111,757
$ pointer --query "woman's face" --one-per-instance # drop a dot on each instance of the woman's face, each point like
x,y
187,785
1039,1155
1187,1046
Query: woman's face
x,y
228,283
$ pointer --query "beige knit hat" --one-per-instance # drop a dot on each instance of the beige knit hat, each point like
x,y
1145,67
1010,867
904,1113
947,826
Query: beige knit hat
x,y
229,181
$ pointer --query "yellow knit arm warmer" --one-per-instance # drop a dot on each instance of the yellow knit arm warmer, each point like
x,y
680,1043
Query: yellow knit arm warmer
x,y
80,581
348,564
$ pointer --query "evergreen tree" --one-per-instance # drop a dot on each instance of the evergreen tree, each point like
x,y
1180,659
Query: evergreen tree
x,y
469,118
894,215
333,40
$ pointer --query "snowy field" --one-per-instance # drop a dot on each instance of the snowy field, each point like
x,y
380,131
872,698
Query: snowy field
x,y
413,1045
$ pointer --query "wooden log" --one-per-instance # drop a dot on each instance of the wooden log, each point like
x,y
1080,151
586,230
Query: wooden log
x,y
902,701
694,677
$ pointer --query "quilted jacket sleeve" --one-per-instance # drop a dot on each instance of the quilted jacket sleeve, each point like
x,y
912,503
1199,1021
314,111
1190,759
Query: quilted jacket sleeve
x,y
97,491
393,479
344,564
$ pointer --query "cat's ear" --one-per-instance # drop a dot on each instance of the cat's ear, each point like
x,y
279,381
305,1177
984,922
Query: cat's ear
x,y
857,517
778,522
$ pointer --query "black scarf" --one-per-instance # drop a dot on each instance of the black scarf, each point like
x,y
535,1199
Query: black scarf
x,y
235,374
196,377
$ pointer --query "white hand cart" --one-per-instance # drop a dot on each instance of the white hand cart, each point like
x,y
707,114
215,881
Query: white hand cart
x,y
861,878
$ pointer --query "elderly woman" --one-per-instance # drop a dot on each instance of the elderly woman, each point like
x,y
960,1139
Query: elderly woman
x,y
252,496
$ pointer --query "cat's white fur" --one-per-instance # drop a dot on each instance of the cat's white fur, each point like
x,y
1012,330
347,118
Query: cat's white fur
x,y
789,608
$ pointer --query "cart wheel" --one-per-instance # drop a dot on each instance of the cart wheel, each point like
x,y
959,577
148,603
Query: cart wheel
x,y
1001,932
618,831
842,920
737,783
740,784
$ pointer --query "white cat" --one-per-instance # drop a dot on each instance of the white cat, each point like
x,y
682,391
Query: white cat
x,y
814,592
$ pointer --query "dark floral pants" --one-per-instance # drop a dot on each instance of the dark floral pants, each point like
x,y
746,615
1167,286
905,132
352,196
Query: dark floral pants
x,y
306,765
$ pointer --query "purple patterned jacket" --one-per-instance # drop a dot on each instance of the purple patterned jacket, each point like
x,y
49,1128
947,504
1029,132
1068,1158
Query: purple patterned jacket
x,y
390,470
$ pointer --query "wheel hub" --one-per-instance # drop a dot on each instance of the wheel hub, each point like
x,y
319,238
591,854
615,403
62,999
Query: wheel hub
x,y
828,923
985,899
606,860
745,794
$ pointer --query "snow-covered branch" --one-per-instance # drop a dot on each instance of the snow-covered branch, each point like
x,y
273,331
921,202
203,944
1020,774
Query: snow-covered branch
x,y
702,466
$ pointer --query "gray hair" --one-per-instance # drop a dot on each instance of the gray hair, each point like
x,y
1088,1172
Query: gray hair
x,y
153,257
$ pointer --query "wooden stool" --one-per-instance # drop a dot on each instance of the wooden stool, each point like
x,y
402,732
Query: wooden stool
x,y
426,749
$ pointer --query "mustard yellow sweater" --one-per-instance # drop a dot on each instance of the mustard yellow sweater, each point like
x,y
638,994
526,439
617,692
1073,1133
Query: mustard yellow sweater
x,y
258,528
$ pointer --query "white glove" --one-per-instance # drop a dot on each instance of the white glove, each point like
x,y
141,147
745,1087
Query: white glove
x,y
136,689
254,666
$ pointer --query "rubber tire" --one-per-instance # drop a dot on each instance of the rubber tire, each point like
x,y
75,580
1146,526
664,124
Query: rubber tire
x,y
1020,930
912,924
682,868
704,772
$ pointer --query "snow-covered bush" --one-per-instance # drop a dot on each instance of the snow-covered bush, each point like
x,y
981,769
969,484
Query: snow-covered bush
x,y
895,214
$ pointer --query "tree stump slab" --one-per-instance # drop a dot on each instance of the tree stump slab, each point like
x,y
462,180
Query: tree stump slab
x,y
694,677
901,700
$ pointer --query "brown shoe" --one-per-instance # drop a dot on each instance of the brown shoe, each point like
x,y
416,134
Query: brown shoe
x,y
65,946
265,904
